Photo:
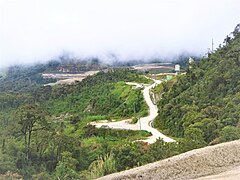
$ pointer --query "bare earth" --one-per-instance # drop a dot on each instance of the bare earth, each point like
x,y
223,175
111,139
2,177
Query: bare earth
x,y
68,78
144,123
153,66
220,161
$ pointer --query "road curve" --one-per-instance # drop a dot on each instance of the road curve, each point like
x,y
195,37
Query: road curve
x,y
143,123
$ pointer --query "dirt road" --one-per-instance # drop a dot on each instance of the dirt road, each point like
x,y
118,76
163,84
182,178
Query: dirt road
x,y
144,123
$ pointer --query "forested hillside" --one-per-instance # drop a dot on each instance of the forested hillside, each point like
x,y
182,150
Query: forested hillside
x,y
203,105
44,133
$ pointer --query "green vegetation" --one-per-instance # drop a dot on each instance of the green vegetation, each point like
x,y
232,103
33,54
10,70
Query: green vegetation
x,y
204,103
101,100
45,131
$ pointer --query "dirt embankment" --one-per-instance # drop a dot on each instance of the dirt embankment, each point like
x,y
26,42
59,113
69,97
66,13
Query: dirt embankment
x,y
197,163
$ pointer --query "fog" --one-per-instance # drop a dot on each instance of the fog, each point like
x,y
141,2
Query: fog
x,y
39,30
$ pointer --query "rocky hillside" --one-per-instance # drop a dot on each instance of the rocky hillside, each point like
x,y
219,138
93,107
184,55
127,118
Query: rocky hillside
x,y
190,165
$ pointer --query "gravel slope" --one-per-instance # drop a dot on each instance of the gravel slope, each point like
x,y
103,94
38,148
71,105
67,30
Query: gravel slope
x,y
233,174
222,158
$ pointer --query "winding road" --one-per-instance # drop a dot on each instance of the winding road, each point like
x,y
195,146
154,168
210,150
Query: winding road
x,y
144,123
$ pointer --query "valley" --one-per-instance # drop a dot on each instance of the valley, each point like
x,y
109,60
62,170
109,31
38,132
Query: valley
x,y
74,119
119,90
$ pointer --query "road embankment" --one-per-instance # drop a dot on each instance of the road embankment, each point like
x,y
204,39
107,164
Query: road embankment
x,y
211,160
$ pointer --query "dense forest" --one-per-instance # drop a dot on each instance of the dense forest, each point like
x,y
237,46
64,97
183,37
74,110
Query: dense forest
x,y
204,103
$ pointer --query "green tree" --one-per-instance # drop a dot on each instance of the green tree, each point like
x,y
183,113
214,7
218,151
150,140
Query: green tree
x,y
7,163
102,166
194,138
160,150
66,167
130,155
30,116
230,133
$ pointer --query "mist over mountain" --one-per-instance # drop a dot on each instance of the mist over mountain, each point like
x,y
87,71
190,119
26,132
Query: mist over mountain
x,y
36,31
78,102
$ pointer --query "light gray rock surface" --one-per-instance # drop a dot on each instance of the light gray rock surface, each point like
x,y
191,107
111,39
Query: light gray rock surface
x,y
194,164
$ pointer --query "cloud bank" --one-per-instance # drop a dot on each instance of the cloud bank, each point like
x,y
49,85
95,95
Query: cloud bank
x,y
37,30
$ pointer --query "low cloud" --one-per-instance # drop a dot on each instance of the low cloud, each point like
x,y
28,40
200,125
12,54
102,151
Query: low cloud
x,y
38,30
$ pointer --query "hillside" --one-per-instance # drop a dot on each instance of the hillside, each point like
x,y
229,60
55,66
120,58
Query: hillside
x,y
222,159
44,132
28,77
203,105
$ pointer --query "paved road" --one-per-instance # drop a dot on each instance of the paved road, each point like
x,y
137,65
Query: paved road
x,y
144,123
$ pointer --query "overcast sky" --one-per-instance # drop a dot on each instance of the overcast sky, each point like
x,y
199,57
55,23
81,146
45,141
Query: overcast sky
x,y
37,30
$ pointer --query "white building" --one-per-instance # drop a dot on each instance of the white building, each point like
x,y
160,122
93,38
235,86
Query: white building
x,y
177,68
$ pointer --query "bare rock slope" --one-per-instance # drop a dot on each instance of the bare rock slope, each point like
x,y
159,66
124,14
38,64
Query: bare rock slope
x,y
197,163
